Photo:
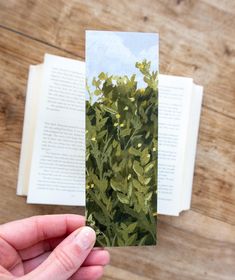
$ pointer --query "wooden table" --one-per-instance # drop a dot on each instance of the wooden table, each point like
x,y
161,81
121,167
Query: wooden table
x,y
197,39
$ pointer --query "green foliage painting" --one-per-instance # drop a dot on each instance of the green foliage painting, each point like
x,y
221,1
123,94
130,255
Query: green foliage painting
x,y
121,158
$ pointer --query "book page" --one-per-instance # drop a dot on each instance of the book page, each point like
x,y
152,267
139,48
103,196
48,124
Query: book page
x,y
174,99
57,173
31,106
190,148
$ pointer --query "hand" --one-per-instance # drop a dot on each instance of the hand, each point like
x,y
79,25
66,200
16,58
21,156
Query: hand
x,y
53,247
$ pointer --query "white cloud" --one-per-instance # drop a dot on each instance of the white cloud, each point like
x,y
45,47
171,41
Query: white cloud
x,y
106,52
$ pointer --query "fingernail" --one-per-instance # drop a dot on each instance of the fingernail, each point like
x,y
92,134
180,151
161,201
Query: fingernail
x,y
85,238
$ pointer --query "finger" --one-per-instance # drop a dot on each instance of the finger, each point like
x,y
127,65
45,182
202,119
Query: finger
x,y
5,273
88,273
30,265
67,257
8,255
40,248
97,257
27,232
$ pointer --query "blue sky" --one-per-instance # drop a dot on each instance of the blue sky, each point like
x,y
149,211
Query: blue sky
x,y
117,52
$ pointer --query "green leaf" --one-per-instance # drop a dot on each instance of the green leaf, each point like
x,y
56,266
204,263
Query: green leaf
x,y
145,157
148,167
116,185
102,76
142,180
101,134
95,83
132,227
137,168
107,109
100,218
103,122
123,198
120,242
130,190
118,151
123,226
137,185
148,196
131,240
142,240
125,132
97,92
115,143
147,180
114,240
107,240
134,151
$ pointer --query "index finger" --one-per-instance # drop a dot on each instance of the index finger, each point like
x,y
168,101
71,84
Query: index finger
x,y
27,232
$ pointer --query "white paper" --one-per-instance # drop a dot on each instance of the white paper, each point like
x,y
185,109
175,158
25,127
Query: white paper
x,y
191,146
57,174
30,115
174,105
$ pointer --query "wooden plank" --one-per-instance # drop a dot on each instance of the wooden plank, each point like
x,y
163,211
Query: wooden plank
x,y
203,226
225,5
214,188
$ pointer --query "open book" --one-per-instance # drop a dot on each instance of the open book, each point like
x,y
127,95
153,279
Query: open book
x,y
52,161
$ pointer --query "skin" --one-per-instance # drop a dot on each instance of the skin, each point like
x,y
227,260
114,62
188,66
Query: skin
x,y
50,247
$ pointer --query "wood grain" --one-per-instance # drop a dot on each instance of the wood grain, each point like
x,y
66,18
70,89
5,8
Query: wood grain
x,y
197,39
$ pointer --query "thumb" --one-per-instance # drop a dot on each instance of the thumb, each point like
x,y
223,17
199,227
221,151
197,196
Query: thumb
x,y
67,257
